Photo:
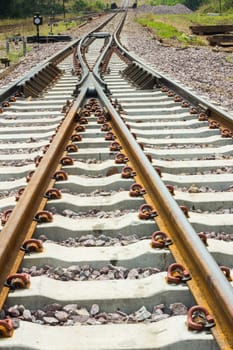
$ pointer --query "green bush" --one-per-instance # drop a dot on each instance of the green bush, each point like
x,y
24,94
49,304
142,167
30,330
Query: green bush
x,y
83,5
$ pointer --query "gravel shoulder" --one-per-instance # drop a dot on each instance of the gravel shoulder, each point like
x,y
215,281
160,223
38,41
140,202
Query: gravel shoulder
x,y
205,70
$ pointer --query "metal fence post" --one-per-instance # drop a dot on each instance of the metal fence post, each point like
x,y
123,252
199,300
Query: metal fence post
x,y
7,46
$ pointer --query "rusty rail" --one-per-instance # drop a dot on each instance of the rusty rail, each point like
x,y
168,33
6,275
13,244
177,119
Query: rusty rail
x,y
208,284
159,78
14,232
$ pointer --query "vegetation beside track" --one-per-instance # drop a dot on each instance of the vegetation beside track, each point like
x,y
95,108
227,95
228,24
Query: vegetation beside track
x,y
175,28
27,28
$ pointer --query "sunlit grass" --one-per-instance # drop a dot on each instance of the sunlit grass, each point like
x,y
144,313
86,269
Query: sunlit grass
x,y
168,31
202,19
177,26
27,28
15,56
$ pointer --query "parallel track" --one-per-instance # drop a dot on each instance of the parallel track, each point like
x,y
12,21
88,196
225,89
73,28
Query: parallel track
x,y
95,207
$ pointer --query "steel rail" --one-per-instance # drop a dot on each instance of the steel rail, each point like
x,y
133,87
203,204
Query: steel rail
x,y
96,69
99,61
208,284
211,110
14,232
80,56
5,93
56,58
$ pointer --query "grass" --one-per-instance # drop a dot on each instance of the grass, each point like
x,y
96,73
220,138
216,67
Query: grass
x,y
167,31
204,19
163,30
228,59
15,56
176,27
27,28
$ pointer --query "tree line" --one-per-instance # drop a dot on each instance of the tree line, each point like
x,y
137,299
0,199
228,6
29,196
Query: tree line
x,y
26,8
213,5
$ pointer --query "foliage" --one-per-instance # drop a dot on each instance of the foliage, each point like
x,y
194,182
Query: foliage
x,y
14,56
164,28
165,2
84,5
23,8
167,26
192,4
204,6
79,5
203,19
215,6
26,8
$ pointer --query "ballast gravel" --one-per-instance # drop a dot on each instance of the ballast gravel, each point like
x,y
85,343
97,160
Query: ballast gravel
x,y
206,70
106,241
96,241
210,157
95,193
163,9
69,315
95,213
221,236
89,273
16,163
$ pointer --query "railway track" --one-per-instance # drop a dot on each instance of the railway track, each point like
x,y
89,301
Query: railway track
x,y
115,234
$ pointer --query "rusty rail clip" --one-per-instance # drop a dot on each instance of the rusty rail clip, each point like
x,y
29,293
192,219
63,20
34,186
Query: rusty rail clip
x,y
176,273
109,136
43,216
136,190
199,319
127,172
53,193
5,216
159,239
227,272
115,146
18,281
6,328
32,245
60,175
120,158
146,212
19,193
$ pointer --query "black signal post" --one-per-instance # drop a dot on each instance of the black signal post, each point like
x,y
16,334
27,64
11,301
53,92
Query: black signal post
x,y
37,20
